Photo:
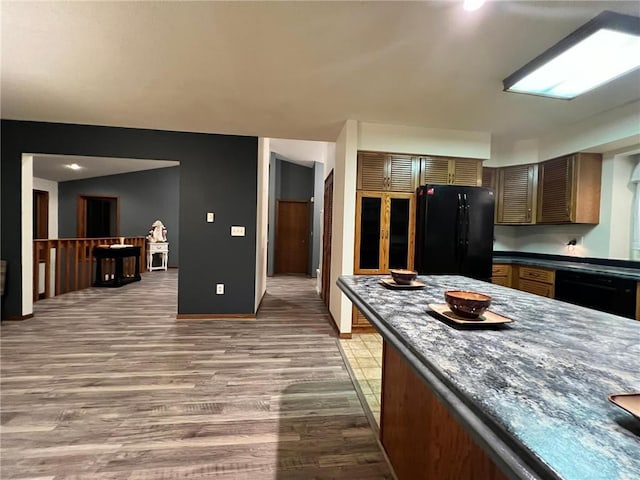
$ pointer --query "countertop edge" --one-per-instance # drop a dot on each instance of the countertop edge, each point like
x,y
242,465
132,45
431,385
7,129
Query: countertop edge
x,y
592,268
509,459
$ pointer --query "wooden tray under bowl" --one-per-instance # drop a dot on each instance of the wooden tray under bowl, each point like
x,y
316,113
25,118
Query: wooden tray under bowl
x,y
487,318
627,401
391,283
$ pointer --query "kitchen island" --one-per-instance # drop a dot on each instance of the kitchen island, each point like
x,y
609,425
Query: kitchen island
x,y
531,396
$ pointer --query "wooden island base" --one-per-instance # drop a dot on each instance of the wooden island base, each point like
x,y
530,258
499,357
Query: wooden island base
x,y
422,439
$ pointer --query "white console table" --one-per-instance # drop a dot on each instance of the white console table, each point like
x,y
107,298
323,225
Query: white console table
x,y
157,248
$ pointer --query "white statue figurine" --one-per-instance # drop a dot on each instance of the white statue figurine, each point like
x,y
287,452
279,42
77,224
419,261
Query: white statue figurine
x,y
158,232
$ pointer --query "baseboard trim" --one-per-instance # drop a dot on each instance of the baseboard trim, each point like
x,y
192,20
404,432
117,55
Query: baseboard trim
x,y
212,316
343,335
18,318
363,329
346,336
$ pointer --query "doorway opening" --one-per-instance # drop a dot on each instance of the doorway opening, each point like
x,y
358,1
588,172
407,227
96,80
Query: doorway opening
x,y
292,237
98,216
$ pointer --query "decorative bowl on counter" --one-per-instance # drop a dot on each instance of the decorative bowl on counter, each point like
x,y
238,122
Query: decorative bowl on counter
x,y
402,276
467,304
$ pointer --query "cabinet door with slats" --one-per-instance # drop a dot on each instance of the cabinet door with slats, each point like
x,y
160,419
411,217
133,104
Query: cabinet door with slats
x,y
554,190
372,171
489,175
434,170
402,173
515,194
467,171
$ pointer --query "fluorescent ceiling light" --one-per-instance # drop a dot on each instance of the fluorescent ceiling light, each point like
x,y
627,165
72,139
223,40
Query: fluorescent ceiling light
x,y
471,5
73,166
603,49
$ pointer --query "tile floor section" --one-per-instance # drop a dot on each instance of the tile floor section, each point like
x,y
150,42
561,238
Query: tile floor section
x,y
364,353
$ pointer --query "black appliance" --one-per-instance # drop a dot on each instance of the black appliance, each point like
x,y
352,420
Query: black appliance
x,y
454,230
607,294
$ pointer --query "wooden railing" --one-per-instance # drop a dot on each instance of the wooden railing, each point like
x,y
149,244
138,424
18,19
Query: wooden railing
x,y
73,266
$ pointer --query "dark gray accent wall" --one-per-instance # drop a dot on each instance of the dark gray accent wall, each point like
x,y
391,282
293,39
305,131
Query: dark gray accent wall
x,y
144,197
296,181
217,173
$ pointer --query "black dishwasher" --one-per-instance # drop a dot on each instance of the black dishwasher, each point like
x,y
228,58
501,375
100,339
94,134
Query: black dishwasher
x,y
607,294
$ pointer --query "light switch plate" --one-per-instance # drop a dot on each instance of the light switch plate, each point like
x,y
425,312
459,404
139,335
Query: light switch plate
x,y
211,217
237,231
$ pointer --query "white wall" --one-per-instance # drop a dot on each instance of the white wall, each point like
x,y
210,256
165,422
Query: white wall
x,y
262,206
343,218
27,235
418,140
51,187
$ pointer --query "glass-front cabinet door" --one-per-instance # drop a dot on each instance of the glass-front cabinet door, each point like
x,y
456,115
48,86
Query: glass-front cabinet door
x,y
384,231
369,225
400,227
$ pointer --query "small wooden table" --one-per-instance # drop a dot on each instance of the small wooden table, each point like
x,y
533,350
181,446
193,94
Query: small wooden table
x,y
118,254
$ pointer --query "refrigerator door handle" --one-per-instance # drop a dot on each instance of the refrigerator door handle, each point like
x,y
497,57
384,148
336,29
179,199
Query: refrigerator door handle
x,y
459,240
466,224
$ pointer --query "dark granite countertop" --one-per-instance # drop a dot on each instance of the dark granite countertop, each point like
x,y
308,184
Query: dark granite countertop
x,y
534,392
585,267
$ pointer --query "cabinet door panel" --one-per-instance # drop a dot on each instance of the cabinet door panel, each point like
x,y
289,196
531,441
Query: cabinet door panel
x,y
515,194
372,171
554,197
467,171
369,225
400,219
489,177
401,174
434,170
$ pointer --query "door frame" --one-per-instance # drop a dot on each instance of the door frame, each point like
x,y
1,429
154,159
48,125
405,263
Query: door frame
x,y
81,213
308,230
41,213
327,233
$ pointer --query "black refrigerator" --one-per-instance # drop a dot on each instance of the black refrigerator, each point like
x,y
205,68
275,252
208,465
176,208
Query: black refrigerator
x,y
454,230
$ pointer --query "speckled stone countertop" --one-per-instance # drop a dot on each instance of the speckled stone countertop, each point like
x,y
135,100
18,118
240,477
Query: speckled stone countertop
x,y
620,272
534,392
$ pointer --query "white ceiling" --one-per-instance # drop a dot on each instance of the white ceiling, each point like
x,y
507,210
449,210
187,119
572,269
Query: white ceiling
x,y
291,69
303,152
53,167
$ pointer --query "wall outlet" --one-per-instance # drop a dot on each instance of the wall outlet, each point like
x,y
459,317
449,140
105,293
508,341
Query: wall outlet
x,y
219,288
237,231
211,217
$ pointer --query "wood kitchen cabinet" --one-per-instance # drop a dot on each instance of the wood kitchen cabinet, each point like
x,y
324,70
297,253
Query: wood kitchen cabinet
x,y
387,172
489,177
385,232
569,189
516,192
540,281
501,274
450,171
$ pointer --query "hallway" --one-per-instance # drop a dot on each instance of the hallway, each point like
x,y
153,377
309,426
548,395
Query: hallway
x,y
106,384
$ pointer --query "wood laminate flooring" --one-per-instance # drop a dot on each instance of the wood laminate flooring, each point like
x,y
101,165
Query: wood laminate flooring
x,y
106,384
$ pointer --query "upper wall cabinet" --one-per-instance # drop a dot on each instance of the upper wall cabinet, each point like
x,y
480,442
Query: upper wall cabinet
x,y
516,195
450,171
569,189
489,175
387,172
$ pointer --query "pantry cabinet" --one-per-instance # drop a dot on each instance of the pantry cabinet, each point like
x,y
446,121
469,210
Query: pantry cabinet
x,y
385,232
569,189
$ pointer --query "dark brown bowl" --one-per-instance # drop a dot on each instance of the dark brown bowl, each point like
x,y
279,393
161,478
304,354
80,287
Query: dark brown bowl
x,y
403,277
467,304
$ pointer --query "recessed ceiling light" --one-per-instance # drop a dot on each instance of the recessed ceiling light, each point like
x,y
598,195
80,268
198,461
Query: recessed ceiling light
x,y
601,50
73,166
471,5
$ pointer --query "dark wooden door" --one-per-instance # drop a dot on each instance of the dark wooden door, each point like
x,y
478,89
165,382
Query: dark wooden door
x,y
327,225
292,237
